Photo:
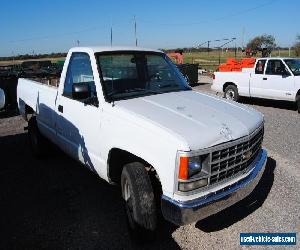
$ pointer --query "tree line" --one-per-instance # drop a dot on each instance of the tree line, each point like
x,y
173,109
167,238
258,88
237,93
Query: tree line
x,y
258,43
29,57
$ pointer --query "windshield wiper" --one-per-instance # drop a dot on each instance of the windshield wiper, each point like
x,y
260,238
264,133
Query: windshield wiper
x,y
168,86
133,90
114,92
146,90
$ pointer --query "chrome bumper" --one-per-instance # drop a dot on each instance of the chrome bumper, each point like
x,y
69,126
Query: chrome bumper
x,y
185,212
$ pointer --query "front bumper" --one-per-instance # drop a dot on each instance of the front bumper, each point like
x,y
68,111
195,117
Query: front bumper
x,y
185,212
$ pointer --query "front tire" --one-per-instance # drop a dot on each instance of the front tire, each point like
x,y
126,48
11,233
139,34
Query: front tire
x,y
231,93
140,206
298,104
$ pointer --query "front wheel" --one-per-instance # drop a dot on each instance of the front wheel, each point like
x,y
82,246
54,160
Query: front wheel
x,y
298,104
139,200
231,93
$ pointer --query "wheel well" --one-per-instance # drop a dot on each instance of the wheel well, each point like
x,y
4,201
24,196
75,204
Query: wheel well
x,y
28,109
227,84
117,159
298,95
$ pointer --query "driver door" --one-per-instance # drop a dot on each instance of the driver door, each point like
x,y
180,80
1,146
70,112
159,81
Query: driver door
x,y
78,123
278,81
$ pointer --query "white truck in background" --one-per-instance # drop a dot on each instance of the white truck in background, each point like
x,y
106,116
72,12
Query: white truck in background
x,y
2,99
129,115
271,78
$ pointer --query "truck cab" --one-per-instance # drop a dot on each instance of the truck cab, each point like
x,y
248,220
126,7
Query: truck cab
x,y
275,78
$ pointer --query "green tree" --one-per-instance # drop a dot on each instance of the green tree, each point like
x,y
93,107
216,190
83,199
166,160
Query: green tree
x,y
259,43
297,46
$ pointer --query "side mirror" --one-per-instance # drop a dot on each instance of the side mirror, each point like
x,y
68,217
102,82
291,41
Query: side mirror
x,y
285,73
81,91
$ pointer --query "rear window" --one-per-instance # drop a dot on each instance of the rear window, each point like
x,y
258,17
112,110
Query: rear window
x,y
260,66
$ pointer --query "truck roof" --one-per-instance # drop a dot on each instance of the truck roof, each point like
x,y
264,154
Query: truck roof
x,y
96,49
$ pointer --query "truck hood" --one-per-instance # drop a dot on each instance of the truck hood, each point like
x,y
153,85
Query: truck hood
x,y
200,120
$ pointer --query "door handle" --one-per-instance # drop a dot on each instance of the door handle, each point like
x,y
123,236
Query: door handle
x,y
60,109
265,78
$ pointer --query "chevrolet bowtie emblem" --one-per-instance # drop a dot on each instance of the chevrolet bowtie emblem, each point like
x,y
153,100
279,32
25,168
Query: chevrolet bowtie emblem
x,y
226,132
247,155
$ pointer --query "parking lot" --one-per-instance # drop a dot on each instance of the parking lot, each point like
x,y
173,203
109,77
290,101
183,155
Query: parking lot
x,y
56,203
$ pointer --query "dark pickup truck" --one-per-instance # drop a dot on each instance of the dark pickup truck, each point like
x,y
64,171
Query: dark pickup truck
x,y
29,69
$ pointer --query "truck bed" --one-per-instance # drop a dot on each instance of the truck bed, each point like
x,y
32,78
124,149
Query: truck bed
x,y
40,96
242,79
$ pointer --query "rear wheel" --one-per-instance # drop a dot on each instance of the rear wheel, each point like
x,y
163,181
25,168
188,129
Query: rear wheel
x,y
139,200
37,141
231,93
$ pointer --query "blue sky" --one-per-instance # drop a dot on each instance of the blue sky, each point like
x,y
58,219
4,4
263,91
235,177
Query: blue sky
x,y
46,26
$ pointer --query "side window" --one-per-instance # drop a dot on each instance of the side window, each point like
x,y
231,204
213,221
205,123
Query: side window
x,y
260,66
79,71
275,67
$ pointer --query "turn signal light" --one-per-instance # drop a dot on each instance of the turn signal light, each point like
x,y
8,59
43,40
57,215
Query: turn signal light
x,y
183,168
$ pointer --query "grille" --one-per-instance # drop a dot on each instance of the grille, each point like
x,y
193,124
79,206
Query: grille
x,y
235,159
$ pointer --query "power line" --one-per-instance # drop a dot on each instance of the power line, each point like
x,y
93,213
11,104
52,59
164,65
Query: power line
x,y
241,12
56,35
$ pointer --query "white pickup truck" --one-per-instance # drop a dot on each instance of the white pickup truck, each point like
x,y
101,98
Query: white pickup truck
x,y
129,115
2,99
271,78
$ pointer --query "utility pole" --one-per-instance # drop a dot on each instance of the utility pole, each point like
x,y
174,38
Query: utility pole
x,y
235,50
208,47
243,37
136,42
289,51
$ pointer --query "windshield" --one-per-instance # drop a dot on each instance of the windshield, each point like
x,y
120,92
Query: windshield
x,y
294,65
133,74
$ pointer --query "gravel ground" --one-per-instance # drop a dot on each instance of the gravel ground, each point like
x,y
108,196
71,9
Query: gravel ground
x,y
55,203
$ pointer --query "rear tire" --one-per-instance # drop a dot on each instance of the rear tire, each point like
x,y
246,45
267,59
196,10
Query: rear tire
x,y
298,104
231,93
37,141
140,206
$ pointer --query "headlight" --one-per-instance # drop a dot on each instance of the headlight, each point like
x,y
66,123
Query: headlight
x,y
194,165
191,166
193,172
